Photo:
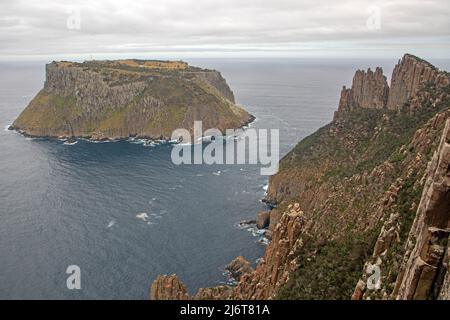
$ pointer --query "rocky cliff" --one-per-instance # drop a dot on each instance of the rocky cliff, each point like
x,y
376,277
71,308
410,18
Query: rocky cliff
x,y
369,90
369,189
421,269
123,98
409,76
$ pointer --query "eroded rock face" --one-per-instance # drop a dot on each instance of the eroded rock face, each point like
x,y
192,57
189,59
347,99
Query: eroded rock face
x,y
168,288
369,90
409,75
416,267
422,276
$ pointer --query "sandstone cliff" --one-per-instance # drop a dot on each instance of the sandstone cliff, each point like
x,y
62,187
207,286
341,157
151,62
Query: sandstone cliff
x,y
369,189
119,99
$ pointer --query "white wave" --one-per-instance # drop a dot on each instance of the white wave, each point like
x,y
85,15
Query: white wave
x,y
70,143
260,234
245,224
34,138
265,187
150,143
7,127
138,141
142,216
217,173
253,122
111,223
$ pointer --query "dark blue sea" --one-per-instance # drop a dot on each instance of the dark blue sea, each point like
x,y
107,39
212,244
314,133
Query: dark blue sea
x,y
83,204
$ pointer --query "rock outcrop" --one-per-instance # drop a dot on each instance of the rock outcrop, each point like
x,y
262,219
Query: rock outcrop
x,y
409,76
369,90
119,99
239,267
168,288
263,219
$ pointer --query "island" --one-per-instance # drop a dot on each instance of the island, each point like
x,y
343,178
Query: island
x,y
111,100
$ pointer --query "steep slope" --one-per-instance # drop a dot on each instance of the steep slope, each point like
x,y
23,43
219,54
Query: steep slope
x,y
370,188
118,99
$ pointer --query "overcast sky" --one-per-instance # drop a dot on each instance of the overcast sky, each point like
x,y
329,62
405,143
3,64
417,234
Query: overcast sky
x,y
223,28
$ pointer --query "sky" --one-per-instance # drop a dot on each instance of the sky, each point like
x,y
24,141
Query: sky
x,y
95,29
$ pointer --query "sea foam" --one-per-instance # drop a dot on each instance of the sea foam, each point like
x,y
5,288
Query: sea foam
x,y
142,216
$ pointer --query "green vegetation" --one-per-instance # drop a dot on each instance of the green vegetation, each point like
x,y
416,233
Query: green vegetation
x,y
322,271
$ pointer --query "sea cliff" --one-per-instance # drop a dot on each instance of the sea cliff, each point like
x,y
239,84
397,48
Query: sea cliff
x,y
369,190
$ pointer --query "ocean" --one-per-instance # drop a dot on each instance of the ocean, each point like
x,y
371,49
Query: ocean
x,y
122,211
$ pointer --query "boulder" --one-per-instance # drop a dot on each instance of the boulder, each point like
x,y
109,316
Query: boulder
x,y
238,267
263,219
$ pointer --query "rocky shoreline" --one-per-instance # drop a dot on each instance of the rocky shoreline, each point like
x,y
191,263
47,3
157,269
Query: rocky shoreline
x,y
147,139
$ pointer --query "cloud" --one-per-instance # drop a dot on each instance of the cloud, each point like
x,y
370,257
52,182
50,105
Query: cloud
x,y
52,27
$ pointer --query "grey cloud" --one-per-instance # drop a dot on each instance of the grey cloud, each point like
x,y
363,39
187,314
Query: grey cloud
x,y
40,28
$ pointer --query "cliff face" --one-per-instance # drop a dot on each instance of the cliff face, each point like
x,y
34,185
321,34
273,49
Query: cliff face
x,y
409,75
369,90
369,189
118,99
426,264
413,255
